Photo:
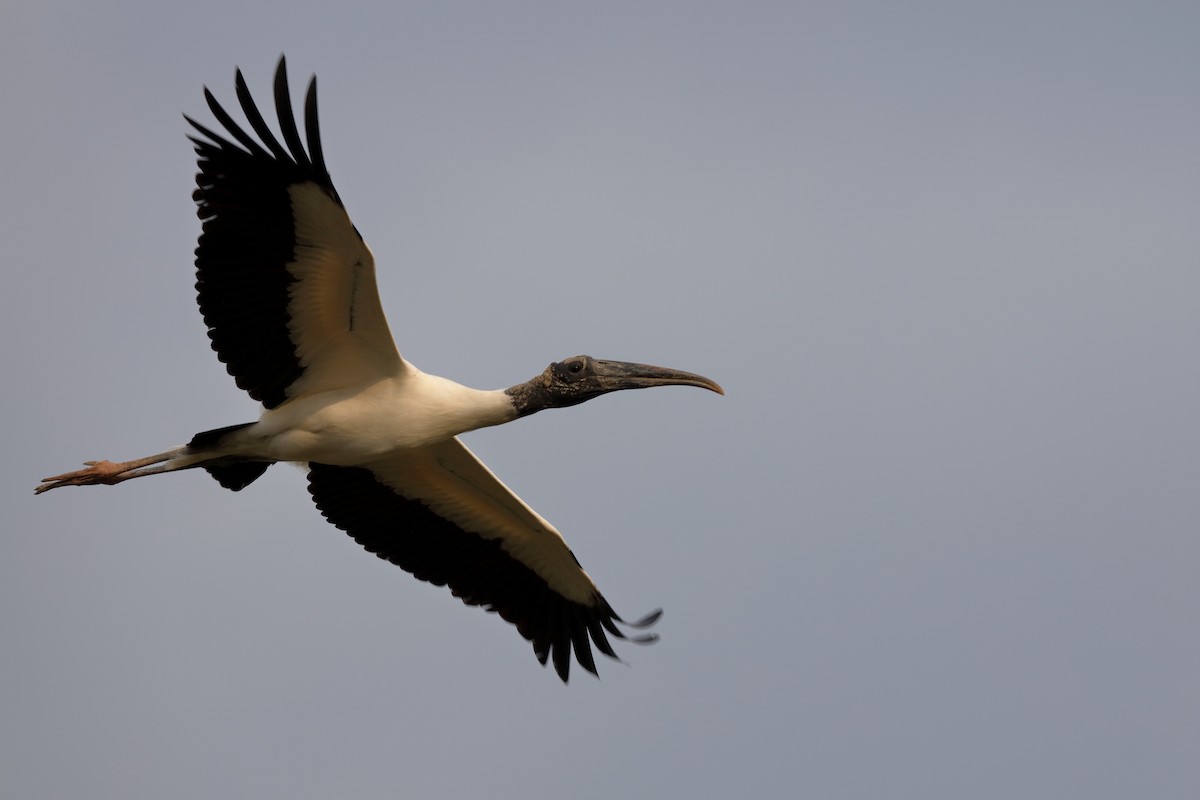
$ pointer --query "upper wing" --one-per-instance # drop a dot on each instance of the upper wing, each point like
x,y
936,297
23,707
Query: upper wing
x,y
284,281
442,515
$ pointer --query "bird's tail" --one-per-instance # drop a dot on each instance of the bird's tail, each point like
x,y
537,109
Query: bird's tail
x,y
235,475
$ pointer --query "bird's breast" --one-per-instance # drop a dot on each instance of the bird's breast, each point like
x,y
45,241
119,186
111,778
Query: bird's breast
x,y
362,424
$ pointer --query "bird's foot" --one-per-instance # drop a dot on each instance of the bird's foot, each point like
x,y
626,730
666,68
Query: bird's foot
x,y
106,472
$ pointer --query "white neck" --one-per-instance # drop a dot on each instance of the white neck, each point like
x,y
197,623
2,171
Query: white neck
x,y
441,408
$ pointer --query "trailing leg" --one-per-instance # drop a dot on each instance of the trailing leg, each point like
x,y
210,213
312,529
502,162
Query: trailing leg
x,y
114,472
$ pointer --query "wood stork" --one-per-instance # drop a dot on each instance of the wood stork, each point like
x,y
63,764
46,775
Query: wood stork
x,y
286,286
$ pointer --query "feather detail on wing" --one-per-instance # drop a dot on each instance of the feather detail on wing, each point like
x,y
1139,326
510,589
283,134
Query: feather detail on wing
x,y
440,514
284,281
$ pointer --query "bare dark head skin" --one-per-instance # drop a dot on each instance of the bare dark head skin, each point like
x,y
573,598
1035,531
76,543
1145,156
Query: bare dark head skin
x,y
580,378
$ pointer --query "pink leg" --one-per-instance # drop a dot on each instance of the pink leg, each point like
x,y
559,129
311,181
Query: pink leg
x,y
109,472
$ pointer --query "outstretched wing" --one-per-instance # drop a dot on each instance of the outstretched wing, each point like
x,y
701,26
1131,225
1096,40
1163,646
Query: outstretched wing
x,y
284,281
440,514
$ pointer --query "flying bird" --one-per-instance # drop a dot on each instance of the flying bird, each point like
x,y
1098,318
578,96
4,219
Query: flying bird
x,y
287,289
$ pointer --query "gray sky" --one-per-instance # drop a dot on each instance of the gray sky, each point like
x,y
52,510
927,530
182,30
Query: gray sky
x,y
938,541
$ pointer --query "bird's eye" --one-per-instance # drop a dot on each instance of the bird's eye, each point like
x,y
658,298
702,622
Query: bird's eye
x,y
571,368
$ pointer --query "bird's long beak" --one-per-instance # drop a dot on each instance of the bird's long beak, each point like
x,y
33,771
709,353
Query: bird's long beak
x,y
614,375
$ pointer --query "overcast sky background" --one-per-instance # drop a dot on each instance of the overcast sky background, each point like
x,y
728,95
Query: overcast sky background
x,y
940,540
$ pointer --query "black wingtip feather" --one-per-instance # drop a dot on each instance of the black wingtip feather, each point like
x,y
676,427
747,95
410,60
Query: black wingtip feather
x,y
287,118
255,118
312,128
560,650
581,643
243,138
646,621
599,637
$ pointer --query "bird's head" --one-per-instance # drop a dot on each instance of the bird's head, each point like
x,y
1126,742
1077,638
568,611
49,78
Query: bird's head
x,y
580,378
